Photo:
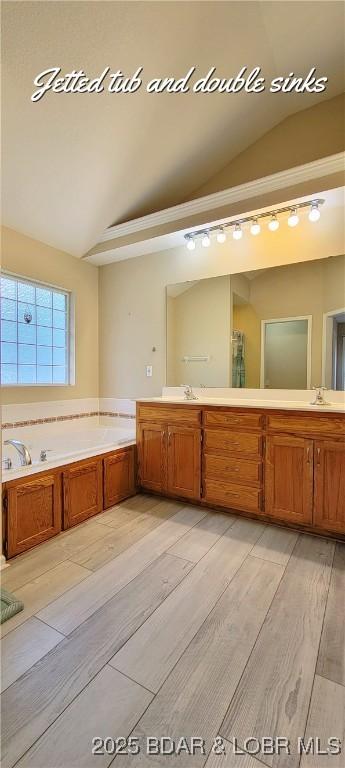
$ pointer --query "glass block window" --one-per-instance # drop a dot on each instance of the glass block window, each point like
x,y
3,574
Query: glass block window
x,y
34,333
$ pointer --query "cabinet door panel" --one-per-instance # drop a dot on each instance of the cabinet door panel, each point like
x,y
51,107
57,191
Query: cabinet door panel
x,y
152,455
329,506
119,480
289,478
33,513
184,461
83,496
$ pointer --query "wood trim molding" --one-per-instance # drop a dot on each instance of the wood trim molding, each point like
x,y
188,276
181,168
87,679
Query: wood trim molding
x,y
297,175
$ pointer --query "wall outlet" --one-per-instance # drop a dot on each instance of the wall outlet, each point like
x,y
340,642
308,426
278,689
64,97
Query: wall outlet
x,y
149,370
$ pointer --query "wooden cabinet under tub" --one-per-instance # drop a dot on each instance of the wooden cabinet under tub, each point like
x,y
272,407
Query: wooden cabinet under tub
x,y
283,466
39,506
82,491
32,512
118,477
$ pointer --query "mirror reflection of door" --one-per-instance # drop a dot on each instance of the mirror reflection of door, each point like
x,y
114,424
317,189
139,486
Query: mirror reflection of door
x,y
285,361
333,363
340,362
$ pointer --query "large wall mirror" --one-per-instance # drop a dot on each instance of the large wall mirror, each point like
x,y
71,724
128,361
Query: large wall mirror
x,y
276,328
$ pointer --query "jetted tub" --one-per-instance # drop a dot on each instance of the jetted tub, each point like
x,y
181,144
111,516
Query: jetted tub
x,y
62,449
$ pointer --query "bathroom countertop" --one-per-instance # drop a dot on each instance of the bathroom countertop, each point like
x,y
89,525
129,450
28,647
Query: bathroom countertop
x,y
248,403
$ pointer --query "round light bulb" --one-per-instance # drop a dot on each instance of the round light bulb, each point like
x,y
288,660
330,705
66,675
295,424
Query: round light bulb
x,y
314,213
255,228
190,243
293,218
237,233
206,241
221,236
273,224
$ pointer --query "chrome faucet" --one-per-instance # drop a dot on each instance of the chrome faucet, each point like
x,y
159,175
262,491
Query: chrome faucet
x,y
43,454
188,393
319,398
25,458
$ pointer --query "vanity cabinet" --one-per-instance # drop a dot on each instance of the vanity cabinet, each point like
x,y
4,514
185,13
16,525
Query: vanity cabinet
x,y
119,476
169,451
82,492
329,489
284,466
305,470
32,512
232,459
152,448
184,461
289,472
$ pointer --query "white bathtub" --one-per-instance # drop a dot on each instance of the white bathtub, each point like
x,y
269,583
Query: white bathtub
x,y
62,448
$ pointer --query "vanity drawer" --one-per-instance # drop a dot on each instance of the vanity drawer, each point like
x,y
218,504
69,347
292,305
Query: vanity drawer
x,y
172,414
307,425
232,419
232,469
233,496
233,442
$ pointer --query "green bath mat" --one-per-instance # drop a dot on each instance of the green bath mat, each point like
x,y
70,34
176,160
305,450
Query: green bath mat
x,y
9,605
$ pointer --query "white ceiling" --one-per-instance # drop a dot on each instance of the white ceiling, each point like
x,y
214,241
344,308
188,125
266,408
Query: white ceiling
x,y
75,164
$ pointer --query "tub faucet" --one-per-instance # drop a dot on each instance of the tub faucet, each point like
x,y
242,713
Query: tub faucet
x,y
319,398
25,458
189,394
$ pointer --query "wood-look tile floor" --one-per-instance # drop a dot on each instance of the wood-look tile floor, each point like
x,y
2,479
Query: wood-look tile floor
x,y
161,619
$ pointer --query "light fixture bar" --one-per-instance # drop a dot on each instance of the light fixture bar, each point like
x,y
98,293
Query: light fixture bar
x,y
237,223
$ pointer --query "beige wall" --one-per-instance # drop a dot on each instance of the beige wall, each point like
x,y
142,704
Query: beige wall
x,y
199,324
133,302
301,138
30,258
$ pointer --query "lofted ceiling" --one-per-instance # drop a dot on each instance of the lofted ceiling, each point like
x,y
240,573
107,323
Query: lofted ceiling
x,y
74,165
